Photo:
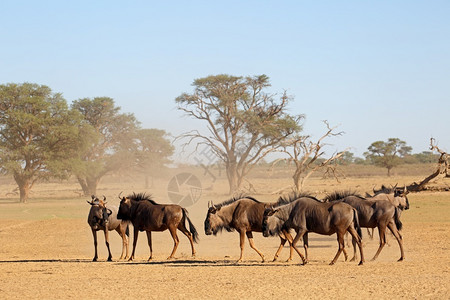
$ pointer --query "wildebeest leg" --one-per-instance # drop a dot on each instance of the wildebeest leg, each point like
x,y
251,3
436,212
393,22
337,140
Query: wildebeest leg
x,y
291,249
305,245
282,242
356,239
382,233
176,241
340,239
252,244
122,232
94,233
370,233
135,237
241,244
347,239
354,258
107,244
189,236
397,235
293,242
149,240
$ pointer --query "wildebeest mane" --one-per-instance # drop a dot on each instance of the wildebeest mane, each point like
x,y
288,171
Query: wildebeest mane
x,y
339,195
142,197
234,199
291,197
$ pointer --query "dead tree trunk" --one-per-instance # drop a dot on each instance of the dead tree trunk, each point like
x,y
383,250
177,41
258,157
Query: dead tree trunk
x,y
443,168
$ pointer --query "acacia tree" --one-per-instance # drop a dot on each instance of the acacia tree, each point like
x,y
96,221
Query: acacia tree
x,y
309,156
153,150
387,154
110,144
39,134
245,122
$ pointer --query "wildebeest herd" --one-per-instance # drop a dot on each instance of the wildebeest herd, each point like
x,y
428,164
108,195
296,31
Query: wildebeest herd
x,y
339,212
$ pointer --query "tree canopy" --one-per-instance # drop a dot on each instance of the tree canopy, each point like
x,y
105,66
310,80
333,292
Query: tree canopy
x,y
245,122
153,150
39,135
109,143
387,154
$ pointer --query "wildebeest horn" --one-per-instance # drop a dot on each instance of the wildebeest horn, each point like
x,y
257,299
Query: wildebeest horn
x,y
93,197
120,194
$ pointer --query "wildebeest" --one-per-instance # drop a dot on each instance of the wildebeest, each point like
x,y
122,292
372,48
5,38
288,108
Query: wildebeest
x,y
243,214
374,213
397,196
147,215
104,217
307,214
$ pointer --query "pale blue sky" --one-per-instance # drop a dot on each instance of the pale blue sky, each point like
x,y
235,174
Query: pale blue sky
x,y
380,69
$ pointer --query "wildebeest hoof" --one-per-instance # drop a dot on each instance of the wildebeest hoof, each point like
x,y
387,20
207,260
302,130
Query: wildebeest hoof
x,y
170,257
401,259
109,259
360,263
353,259
95,259
331,263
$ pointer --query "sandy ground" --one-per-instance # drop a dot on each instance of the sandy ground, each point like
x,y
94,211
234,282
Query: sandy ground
x,y
46,251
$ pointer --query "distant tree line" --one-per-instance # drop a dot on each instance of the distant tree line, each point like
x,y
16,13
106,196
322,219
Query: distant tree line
x,y
42,137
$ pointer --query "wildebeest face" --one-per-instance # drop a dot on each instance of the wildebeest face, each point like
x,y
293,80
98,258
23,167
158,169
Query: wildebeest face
x,y
124,209
400,198
99,214
269,225
212,222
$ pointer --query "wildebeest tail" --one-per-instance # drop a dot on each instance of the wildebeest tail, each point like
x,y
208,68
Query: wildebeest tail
x,y
127,230
192,228
398,223
356,222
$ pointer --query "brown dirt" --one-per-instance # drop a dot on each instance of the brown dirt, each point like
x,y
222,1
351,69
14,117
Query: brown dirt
x,y
46,251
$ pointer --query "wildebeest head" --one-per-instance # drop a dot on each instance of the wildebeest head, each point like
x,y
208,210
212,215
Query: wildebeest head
x,y
213,222
124,208
99,214
271,224
400,198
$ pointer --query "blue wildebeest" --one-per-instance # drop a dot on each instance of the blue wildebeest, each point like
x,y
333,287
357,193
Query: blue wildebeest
x,y
243,214
147,215
373,213
397,196
307,214
104,217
